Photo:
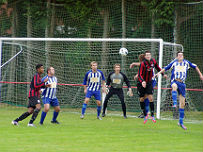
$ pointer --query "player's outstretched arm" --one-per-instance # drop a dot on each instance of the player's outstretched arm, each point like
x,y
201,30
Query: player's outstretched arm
x,y
134,64
160,72
199,72
135,77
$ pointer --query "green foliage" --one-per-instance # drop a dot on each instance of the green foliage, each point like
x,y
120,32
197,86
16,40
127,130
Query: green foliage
x,y
162,10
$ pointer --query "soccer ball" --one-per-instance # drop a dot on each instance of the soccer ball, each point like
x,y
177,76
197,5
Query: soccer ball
x,y
123,51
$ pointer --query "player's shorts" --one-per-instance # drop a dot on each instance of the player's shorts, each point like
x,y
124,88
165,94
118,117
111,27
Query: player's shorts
x,y
181,87
53,102
154,83
33,101
141,91
96,94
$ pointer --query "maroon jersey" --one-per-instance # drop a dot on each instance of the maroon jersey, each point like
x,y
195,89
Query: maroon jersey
x,y
35,86
145,72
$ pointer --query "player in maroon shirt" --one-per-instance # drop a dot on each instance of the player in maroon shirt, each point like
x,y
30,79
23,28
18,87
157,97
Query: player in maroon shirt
x,y
34,105
144,83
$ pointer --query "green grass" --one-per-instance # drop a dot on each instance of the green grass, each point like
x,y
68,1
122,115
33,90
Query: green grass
x,y
112,134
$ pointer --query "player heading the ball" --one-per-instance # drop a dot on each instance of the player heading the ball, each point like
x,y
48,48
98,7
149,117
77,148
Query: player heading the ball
x,y
93,81
145,83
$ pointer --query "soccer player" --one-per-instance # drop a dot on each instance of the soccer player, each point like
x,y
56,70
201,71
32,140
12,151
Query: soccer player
x,y
49,96
145,83
146,101
94,79
116,80
179,68
34,105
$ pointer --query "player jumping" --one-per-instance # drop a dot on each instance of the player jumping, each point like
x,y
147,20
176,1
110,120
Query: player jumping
x,y
179,68
145,83
146,101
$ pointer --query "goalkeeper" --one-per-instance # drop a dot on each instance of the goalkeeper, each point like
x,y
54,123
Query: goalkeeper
x,y
115,80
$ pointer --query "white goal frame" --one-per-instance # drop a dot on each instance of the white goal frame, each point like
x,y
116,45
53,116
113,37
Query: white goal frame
x,y
160,41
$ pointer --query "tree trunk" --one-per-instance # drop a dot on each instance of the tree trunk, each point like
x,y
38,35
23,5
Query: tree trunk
x,y
49,31
123,22
123,10
29,46
12,64
89,34
153,45
104,56
175,32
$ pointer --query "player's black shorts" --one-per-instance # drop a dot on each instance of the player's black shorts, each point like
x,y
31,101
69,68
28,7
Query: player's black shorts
x,y
142,91
33,101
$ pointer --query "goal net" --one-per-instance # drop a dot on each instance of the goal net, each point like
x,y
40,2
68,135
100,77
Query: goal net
x,y
71,59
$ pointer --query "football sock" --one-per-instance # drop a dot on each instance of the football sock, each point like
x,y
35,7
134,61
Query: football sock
x,y
98,111
146,105
23,116
142,105
43,115
34,115
181,115
152,108
174,97
55,115
84,106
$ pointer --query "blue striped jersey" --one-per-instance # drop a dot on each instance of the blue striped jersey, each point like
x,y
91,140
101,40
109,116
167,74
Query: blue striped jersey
x,y
179,69
50,92
93,80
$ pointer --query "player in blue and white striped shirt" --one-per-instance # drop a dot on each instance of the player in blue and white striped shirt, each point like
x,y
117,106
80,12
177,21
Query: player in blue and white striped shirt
x,y
49,96
179,68
93,81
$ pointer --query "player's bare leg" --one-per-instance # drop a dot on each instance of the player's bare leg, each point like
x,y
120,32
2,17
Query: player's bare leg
x,y
57,108
46,107
174,94
181,111
23,116
98,109
84,106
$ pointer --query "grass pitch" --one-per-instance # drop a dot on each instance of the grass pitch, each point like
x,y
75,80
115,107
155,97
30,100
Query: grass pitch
x,y
112,134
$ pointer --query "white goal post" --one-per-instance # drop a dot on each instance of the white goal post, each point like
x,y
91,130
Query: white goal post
x,y
160,42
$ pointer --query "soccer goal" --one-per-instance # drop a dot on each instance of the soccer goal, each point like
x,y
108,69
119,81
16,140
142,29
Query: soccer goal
x,y
71,59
